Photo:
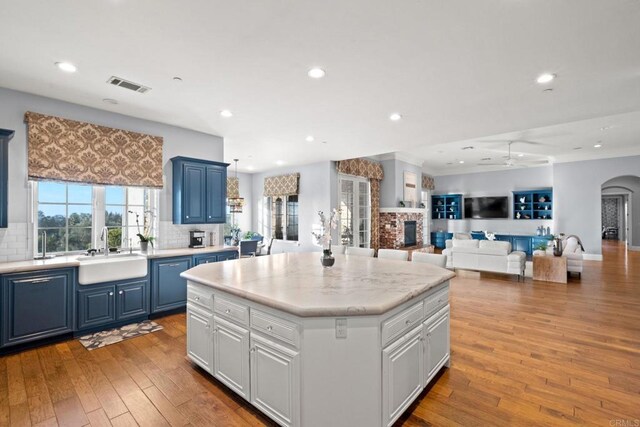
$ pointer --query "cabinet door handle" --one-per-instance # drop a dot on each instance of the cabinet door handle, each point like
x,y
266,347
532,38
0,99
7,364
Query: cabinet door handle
x,y
206,326
35,281
253,350
197,298
110,294
228,311
209,216
187,217
214,330
408,322
172,265
269,328
121,292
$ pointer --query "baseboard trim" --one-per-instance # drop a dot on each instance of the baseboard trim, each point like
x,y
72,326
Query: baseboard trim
x,y
592,257
633,248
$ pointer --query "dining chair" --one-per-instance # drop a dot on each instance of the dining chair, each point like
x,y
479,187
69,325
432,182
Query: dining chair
x,y
395,254
435,259
248,248
364,252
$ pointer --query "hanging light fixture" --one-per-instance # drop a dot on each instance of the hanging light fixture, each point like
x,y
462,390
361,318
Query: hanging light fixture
x,y
235,201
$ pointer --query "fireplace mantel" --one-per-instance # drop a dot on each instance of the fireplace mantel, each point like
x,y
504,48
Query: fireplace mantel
x,y
422,211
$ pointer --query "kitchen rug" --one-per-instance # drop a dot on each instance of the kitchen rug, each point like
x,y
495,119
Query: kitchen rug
x,y
112,336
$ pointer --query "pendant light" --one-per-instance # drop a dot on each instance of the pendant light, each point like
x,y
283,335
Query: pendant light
x,y
236,202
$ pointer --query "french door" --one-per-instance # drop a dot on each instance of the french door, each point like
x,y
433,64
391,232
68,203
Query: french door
x,y
355,211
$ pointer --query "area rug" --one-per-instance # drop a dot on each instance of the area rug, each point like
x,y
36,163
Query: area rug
x,y
112,336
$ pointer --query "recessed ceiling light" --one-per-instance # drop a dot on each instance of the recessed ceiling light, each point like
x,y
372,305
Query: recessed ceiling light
x,y
316,73
110,101
485,159
470,147
449,163
395,117
520,155
577,148
606,127
461,162
67,67
324,142
226,113
177,79
545,78
549,90
598,145
249,168
309,138
279,162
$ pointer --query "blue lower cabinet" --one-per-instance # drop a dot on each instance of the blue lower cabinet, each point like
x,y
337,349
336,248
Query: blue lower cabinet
x,y
205,259
132,300
224,256
438,238
37,305
168,289
522,244
107,303
96,306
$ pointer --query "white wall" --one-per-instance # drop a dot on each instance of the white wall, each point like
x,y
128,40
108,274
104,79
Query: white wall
x,y
392,186
177,142
499,183
316,193
629,185
245,219
577,188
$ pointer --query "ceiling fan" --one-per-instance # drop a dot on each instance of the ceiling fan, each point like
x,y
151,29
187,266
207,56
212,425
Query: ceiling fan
x,y
511,161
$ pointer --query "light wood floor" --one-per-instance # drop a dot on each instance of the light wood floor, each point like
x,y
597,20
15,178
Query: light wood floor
x,y
522,354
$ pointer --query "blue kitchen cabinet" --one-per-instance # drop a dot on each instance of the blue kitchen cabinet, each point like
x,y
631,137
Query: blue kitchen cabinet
x,y
111,303
168,289
540,240
522,244
224,256
5,137
37,305
205,259
96,305
199,191
438,238
535,204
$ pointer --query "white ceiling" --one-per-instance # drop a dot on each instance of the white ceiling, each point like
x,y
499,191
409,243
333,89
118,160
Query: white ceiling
x,y
455,69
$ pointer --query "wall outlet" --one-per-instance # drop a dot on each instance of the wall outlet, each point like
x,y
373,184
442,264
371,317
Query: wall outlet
x,y
341,328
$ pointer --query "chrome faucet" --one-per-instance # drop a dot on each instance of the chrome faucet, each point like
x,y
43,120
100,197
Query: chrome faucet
x,y
104,237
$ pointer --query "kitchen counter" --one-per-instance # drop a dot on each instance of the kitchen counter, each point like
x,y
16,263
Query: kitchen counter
x,y
296,283
72,260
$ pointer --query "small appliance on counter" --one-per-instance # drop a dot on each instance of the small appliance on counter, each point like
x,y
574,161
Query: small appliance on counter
x,y
196,239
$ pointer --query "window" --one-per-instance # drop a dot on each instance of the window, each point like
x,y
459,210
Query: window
x,y
65,213
284,221
355,211
121,206
73,215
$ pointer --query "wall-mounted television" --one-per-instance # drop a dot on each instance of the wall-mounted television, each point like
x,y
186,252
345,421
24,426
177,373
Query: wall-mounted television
x,y
486,207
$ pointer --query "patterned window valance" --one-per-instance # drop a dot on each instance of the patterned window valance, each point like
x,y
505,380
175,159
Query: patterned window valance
x,y
68,150
282,185
428,183
233,188
361,167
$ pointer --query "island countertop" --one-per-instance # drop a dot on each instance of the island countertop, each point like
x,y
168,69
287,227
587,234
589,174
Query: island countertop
x,y
296,283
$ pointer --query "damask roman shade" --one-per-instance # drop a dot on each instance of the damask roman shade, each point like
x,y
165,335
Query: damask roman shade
x,y
68,150
372,170
281,185
233,187
428,182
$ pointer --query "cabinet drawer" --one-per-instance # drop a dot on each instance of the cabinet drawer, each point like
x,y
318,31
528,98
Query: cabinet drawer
x,y
231,310
200,297
436,301
275,327
401,322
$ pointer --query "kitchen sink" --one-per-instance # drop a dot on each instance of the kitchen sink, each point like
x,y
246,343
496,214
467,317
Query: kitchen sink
x,y
100,268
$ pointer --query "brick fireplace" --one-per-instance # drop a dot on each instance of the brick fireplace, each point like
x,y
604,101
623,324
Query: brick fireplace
x,y
392,227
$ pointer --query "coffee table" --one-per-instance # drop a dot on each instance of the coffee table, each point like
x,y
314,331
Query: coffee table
x,y
550,268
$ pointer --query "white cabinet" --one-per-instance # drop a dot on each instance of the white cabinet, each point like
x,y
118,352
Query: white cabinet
x,y
231,356
275,380
436,336
199,340
402,374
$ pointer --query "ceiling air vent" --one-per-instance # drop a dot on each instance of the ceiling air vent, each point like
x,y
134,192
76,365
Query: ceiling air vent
x,y
136,87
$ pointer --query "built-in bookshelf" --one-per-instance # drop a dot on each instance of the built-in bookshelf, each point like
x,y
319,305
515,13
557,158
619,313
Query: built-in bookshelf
x,y
535,204
446,206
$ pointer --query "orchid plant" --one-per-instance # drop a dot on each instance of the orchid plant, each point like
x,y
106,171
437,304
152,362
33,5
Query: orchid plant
x,y
145,234
323,235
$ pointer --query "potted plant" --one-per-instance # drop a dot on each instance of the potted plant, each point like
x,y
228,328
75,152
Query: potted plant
x,y
323,236
145,235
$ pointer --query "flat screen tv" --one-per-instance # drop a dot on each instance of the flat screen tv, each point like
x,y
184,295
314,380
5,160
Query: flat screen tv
x,y
486,207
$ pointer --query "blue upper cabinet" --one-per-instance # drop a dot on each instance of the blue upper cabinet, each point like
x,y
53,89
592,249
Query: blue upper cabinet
x,y
199,191
448,206
5,137
536,204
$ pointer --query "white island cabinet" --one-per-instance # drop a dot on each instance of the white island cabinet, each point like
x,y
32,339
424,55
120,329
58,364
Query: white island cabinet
x,y
353,345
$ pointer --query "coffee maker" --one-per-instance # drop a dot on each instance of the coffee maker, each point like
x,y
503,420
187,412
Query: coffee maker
x,y
196,239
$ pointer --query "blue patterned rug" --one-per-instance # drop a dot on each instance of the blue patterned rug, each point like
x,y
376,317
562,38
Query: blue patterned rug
x,y
112,336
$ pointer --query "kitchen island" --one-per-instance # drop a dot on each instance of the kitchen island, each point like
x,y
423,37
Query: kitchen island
x,y
307,346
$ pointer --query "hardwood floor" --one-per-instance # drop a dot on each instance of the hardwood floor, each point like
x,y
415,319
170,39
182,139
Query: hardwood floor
x,y
522,354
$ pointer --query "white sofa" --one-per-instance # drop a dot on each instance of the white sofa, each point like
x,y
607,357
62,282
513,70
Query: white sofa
x,y
485,255
572,251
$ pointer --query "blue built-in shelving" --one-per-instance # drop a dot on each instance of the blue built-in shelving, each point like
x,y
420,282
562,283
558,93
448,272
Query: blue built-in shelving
x,y
446,206
534,204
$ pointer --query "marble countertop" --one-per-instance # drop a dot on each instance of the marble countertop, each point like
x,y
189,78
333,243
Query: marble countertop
x,y
72,260
296,283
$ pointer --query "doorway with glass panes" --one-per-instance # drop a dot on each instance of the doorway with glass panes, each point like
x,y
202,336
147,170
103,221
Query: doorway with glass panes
x,y
355,211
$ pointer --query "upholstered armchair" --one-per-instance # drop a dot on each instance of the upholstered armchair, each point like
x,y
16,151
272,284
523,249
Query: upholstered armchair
x,y
572,250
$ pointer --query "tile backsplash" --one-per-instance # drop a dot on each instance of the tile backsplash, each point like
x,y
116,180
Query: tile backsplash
x,y
171,236
16,242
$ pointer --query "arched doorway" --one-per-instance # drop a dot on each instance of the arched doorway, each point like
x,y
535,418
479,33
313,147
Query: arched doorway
x,y
620,211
